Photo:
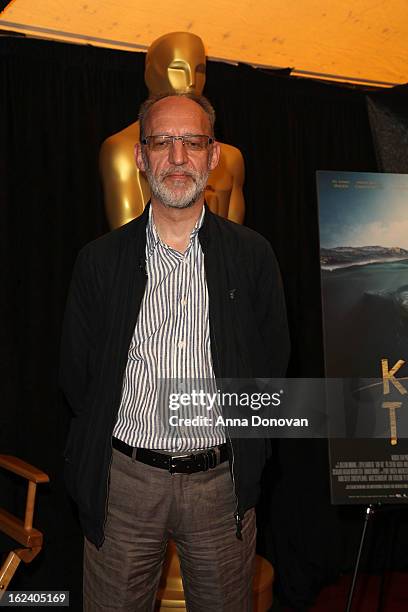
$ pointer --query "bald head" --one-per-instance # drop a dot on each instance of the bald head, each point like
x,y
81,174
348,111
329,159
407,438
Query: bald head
x,y
183,101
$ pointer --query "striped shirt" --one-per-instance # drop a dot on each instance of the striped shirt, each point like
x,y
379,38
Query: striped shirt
x,y
169,350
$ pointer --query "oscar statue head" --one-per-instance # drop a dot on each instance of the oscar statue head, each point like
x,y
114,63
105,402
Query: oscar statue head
x,y
175,62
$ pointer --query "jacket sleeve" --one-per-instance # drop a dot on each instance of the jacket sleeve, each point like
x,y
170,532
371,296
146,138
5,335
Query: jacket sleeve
x,y
79,331
270,310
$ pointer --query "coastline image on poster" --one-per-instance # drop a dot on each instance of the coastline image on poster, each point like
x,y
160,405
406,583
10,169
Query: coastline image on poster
x,y
363,220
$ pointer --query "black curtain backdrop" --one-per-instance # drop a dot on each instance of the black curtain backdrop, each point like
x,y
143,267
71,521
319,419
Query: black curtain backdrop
x,y
388,114
57,104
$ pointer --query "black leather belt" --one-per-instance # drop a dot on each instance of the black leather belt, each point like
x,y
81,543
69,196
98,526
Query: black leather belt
x,y
186,464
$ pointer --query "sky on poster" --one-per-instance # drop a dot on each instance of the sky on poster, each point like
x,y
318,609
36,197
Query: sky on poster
x,y
363,209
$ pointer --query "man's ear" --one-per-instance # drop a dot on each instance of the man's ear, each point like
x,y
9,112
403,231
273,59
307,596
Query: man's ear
x,y
214,156
140,162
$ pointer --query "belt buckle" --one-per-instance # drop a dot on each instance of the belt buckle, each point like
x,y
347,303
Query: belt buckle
x,y
173,460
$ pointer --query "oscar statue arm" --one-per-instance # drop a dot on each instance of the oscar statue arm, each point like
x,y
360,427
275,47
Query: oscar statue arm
x,y
125,189
236,209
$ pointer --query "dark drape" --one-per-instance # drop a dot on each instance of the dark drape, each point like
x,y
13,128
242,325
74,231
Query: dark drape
x,y
388,114
57,104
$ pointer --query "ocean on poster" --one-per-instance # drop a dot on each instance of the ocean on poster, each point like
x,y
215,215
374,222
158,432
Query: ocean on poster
x,y
363,221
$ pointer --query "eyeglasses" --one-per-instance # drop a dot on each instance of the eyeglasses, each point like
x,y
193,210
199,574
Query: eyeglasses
x,y
192,142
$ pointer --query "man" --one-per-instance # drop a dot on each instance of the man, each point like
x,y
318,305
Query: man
x,y
178,293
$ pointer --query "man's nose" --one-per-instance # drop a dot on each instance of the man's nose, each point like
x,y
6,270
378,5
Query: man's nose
x,y
177,153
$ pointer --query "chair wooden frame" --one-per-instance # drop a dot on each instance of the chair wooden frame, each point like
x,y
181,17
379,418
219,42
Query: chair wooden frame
x,y
20,530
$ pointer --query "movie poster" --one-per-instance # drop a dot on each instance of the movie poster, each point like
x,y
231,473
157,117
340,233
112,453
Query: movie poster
x,y
364,275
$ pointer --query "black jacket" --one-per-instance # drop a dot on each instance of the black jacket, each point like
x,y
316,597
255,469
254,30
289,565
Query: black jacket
x,y
248,331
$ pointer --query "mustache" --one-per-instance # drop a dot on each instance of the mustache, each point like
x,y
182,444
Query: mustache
x,y
169,172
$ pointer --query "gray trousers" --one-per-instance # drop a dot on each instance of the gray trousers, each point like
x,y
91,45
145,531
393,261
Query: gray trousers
x,y
148,505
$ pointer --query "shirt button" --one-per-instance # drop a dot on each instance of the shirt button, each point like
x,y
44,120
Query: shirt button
x,y
183,301
182,344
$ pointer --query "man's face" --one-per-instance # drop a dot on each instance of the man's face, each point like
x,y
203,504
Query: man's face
x,y
177,176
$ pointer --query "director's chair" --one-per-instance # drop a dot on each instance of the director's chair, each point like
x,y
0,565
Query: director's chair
x,y
21,531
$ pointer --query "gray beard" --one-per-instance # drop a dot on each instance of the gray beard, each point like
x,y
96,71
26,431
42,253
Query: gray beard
x,y
166,195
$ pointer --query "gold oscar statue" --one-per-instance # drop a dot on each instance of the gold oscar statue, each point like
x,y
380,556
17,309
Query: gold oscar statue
x,y
174,62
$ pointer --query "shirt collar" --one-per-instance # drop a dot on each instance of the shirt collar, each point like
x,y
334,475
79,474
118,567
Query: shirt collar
x,y
153,238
